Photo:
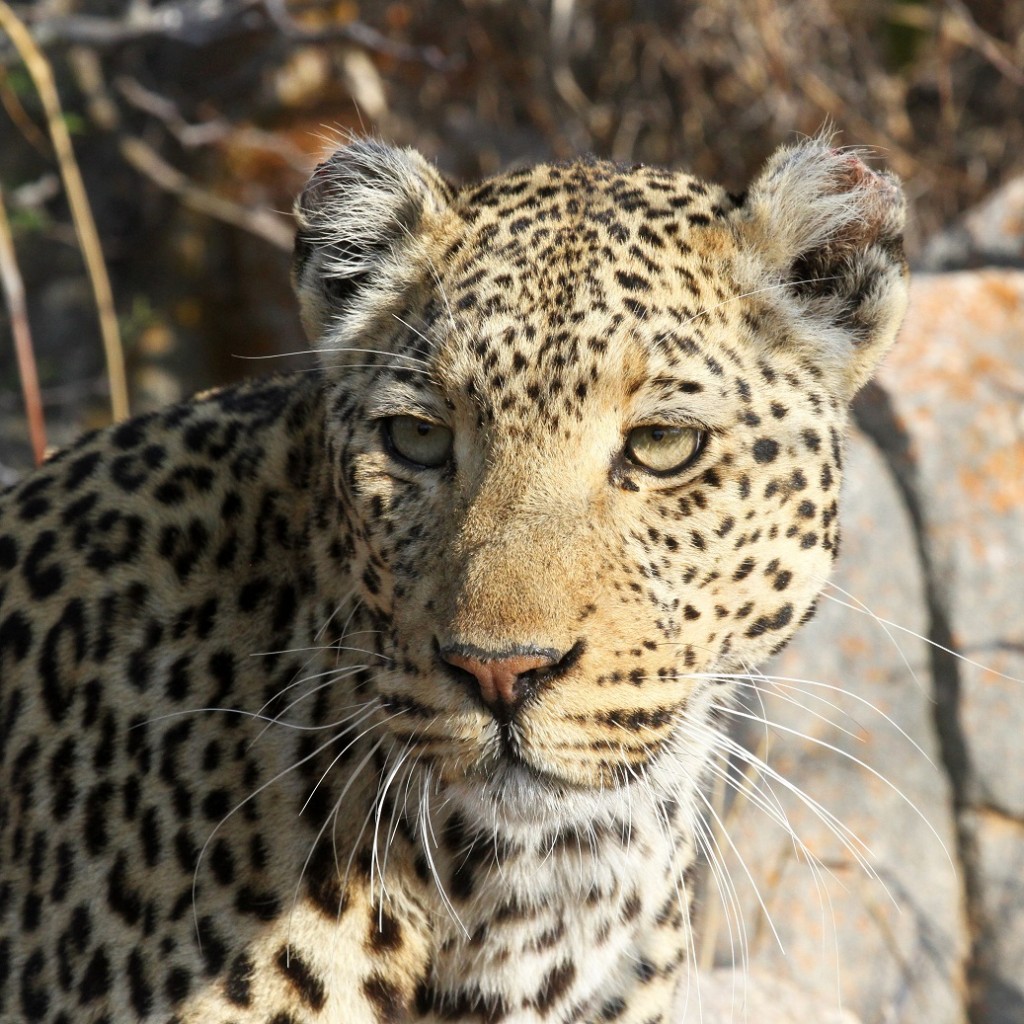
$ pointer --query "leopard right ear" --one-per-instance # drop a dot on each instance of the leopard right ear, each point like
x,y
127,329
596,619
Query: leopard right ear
x,y
821,248
361,220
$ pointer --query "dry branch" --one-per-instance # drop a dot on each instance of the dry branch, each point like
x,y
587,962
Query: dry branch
x,y
261,223
209,132
201,22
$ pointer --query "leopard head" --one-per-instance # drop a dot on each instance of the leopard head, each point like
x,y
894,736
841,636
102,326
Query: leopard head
x,y
585,428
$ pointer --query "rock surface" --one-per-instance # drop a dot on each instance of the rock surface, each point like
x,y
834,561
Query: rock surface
x,y
736,997
929,927
990,234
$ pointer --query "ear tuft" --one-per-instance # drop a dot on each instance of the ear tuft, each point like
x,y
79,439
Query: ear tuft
x,y
358,220
821,233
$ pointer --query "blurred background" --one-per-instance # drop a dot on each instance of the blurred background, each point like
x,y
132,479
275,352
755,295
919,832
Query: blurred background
x,y
194,122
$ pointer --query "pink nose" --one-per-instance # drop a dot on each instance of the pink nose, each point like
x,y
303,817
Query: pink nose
x,y
499,677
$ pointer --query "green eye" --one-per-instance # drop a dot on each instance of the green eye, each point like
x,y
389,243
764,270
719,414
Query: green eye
x,y
664,450
419,441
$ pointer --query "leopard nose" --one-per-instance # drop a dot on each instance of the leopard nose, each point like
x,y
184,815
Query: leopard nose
x,y
500,678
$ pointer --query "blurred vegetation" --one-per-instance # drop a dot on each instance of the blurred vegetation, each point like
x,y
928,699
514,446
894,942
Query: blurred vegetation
x,y
196,121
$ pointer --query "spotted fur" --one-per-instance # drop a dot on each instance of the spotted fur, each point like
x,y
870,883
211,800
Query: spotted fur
x,y
298,729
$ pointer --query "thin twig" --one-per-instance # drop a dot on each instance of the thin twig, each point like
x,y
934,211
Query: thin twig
x,y
359,33
211,132
974,36
958,26
14,294
262,223
81,212
149,163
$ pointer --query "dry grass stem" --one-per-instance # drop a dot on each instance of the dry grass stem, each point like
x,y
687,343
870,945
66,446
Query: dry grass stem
x,y
14,296
81,212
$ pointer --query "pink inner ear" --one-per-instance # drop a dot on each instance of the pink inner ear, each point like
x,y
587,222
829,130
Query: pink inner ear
x,y
856,174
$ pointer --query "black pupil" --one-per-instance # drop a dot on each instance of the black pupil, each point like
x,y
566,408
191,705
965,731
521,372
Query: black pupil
x,y
423,429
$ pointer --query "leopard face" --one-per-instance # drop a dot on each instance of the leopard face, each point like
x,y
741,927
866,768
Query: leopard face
x,y
590,462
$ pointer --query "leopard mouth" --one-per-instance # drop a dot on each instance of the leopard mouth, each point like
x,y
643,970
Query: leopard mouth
x,y
523,745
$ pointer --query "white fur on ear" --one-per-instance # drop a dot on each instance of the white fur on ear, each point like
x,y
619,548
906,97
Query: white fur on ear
x,y
820,237
359,221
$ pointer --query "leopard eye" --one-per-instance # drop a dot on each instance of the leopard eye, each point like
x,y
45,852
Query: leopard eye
x,y
419,441
664,450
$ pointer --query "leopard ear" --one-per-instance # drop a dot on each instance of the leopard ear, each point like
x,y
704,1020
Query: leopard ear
x,y
822,249
361,221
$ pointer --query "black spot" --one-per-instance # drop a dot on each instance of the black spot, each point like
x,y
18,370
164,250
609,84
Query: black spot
x,y
95,983
222,669
812,439
125,901
323,884
612,1010
96,816
15,636
262,905
183,546
386,999
138,984
216,804
33,508
129,434
222,863
8,552
385,932
63,876
766,449
214,949
43,579
238,983
178,984
782,617
745,568
252,593
555,984
632,282
80,470
30,911
118,539
300,976
645,971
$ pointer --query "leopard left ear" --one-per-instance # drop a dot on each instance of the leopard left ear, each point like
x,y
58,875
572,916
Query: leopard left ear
x,y
362,223
821,246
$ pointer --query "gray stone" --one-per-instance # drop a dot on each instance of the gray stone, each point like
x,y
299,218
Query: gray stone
x,y
956,381
990,234
1000,847
957,386
726,996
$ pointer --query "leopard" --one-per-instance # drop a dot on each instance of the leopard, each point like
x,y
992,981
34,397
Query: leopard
x,y
387,690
